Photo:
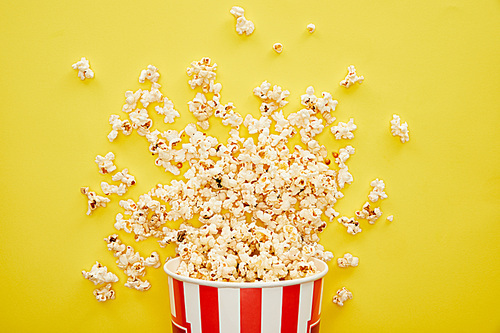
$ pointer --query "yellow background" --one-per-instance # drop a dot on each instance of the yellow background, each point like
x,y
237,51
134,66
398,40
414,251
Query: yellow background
x,y
436,268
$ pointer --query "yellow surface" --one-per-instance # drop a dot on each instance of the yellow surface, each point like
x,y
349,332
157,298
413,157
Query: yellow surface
x,y
436,268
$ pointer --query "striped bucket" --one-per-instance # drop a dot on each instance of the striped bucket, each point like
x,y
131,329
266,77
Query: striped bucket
x,y
199,306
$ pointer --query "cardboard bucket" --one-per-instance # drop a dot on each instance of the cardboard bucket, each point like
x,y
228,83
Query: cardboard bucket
x,y
199,306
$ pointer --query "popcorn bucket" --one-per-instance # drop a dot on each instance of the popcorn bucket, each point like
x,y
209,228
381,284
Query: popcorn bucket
x,y
200,306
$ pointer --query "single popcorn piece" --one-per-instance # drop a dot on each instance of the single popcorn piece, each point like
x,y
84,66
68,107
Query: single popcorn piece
x,y
243,26
105,163
273,99
344,130
118,125
342,296
278,47
137,284
124,177
94,201
153,260
83,67
311,27
398,129
104,293
378,190
351,224
131,99
390,218
113,189
351,78
168,111
368,214
348,261
99,274
150,73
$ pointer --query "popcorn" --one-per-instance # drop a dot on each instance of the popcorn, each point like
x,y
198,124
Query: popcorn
x,y
398,129
83,67
131,99
378,190
351,224
118,125
311,27
369,214
99,274
243,26
151,96
343,130
94,201
113,189
104,293
202,109
105,163
151,74
342,296
203,75
348,261
132,264
167,110
124,177
351,78
390,218
278,47
272,100
141,121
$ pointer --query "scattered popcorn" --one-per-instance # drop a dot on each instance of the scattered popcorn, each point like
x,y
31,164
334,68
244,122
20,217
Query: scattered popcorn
x,y
351,224
105,163
243,26
132,264
390,218
113,189
151,96
94,201
278,47
369,214
398,129
311,27
151,74
272,100
203,75
344,130
167,110
378,190
342,296
99,274
351,78
83,67
124,177
348,261
104,293
118,125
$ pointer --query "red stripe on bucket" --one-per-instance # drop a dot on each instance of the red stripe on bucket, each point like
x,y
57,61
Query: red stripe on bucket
x,y
209,309
180,309
290,309
316,306
250,310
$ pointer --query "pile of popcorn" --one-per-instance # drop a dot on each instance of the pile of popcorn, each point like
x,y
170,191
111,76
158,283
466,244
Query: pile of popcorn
x,y
261,202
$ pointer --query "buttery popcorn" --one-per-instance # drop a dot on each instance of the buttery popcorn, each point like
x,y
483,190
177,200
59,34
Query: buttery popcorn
x,y
123,176
94,201
348,260
311,28
108,189
83,67
105,163
150,73
344,130
371,215
168,111
278,47
118,125
273,99
351,78
390,218
243,26
398,129
99,274
342,296
104,293
378,190
351,224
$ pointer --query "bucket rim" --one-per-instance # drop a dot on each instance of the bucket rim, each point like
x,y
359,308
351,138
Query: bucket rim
x,y
321,265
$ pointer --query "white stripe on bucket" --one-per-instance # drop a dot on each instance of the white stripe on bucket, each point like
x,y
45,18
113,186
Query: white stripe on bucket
x,y
171,293
305,308
321,297
229,310
192,301
271,309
